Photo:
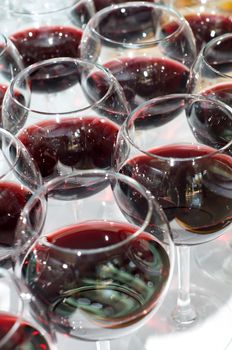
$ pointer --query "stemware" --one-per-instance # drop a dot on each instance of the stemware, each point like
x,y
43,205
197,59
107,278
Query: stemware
x,y
212,77
138,44
103,267
17,329
62,126
191,181
48,31
207,18
19,178
10,65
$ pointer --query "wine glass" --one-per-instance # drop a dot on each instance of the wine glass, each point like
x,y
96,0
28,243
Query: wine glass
x,y
212,77
18,330
207,18
19,178
46,31
63,126
10,65
191,181
103,266
137,43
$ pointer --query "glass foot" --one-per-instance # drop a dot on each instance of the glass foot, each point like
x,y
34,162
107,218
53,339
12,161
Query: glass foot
x,y
212,327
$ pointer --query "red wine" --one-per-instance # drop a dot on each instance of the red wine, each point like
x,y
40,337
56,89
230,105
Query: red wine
x,y
25,336
142,79
198,195
14,108
205,27
13,198
212,126
113,288
37,44
59,147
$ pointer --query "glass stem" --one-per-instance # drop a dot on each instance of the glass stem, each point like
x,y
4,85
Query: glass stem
x,y
103,345
184,312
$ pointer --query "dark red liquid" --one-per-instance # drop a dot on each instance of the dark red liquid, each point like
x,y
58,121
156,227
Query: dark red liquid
x,y
25,336
143,79
213,126
113,288
47,42
14,109
13,198
197,194
205,27
72,143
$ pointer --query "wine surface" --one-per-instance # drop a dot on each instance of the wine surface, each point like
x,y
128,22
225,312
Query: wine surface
x,y
37,44
72,143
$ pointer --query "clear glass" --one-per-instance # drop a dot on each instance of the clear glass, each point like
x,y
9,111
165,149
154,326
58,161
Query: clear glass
x,y
212,77
10,65
192,183
138,43
100,4
207,18
18,329
103,267
50,30
19,178
67,115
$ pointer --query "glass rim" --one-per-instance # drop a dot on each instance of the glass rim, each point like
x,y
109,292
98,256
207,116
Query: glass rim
x,y
6,42
25,73
19,316
17,145
43,12
207,47
135,113
107,175
106,10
